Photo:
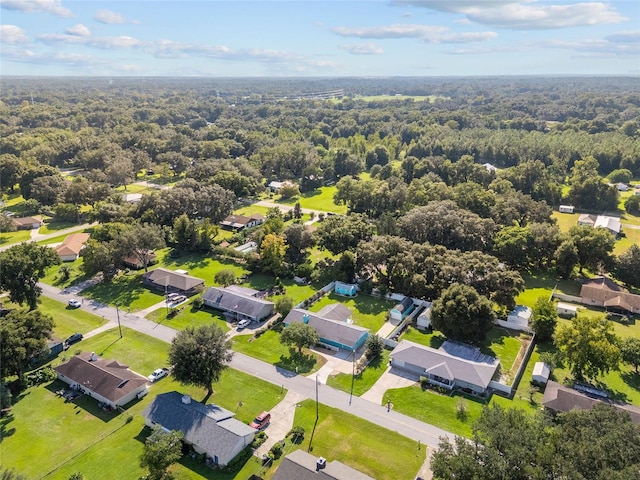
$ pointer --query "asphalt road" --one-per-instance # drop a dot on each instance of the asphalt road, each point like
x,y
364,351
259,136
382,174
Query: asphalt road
x,y
306,386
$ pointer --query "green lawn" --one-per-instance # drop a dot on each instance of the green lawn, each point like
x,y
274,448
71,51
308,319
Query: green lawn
x,y
52,226
268,348
431,339
249,210
201,266
369,448
125,290
299,293
320,199
44,437
365,380
15,237
540,284
187,317
69,320
53,277
369,312
434,408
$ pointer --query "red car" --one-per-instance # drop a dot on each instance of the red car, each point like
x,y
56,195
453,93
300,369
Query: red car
x,y
261,421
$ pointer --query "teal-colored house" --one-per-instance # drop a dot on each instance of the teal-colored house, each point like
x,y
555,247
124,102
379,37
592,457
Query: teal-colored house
x,y
346,289
333,325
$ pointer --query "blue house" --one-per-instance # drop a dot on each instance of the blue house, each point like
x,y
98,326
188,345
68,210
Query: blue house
x,y
402,309
346,289
333,325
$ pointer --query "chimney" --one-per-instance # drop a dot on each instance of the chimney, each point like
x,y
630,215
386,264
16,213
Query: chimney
x,y
186,399
321,463
93,357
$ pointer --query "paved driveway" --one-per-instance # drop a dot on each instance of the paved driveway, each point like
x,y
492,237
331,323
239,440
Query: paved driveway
x,y
391,378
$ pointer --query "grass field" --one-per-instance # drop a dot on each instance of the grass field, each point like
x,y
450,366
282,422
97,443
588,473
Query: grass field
x,y
125,290
369,312
268,348
187,317
298,293
201,266
363,381
68,320
539,284
373,450
320,199
18,236
52,226
53,277
44,437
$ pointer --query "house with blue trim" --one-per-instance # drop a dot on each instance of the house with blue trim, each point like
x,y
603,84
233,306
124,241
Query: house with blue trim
x,y
402,309
346,289
334,326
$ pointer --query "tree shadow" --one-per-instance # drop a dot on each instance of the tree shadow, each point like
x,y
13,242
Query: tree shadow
x,y
632,379
298,362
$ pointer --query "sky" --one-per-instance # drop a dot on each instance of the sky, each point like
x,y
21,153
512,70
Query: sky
x,y
328,38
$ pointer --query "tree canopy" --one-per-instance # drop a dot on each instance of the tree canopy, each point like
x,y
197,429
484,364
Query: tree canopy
x,y
299,335
200,355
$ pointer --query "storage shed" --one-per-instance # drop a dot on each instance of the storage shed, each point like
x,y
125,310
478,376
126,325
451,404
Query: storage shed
x,y
346,289
424,319
541,372
566,309
566,209
402,309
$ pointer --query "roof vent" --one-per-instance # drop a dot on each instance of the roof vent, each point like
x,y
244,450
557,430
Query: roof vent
x,y
321,463
93,357
186,399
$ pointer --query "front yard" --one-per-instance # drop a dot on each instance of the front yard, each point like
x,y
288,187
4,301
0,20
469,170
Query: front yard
x,y
363,381
69,321
188,317
46,437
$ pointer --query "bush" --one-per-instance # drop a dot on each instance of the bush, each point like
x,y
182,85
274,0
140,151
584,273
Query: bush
x,y
197,303
276,451
43,375
297,434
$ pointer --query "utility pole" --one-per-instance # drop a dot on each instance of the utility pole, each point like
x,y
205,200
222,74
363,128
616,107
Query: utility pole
x,y
118,315
353,373
317,417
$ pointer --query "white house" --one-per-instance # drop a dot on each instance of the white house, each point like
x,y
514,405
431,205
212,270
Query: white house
x,y
541,372
566,309
107,381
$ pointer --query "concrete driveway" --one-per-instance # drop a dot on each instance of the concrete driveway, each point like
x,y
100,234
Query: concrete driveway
x,y
337,362
391,378
282,416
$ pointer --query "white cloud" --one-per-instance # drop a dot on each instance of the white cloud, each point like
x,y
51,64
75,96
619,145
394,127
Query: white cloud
x,y
12,35
78,30
597,47
55,58
111,18
368,48
96,42
525,14
390,31
53,7
466,37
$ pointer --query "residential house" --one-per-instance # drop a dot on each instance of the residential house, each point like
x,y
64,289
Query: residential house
x,y
69,250
601,221
131,261
558,399
602,292
107,381
334,326
240,222
402,309
27,223
241,302
346,289
622,187
540,374
209,429
518,318
566,208
453,366
490,167
300,465
132,197
275,186
169,281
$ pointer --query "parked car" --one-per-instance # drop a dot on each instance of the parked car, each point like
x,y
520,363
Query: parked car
x,y
261,421
75,338
158,374
74,303
243,324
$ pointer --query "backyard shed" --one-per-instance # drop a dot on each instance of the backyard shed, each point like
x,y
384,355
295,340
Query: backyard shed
x,y
402,309
566,209
541,372
424,319
566,309
346,289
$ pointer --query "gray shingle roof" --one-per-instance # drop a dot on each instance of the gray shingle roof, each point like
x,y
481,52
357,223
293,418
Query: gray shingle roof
x,y
163,277
210,427
300,465
236,301
107,378
335,311
334,330
446,365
